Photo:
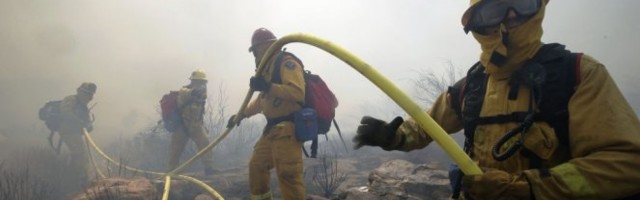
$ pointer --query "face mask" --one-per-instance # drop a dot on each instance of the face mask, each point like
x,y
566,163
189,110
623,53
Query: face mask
x,y
505,51
494,51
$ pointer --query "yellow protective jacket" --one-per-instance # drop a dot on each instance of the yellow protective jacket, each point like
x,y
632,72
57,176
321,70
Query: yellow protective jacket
x,y
75,116
603,157
191,107
282,99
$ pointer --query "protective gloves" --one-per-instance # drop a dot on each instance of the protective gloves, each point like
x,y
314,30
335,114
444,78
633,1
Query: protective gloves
x,y
259,84
496,184
375,132
89,128
230,122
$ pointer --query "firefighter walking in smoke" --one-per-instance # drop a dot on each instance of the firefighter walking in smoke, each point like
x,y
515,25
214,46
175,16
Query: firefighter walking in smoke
x,y
75,116
277,148
543,122
191,101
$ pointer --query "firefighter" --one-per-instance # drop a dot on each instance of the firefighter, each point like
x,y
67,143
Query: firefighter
x,y
591,153
74,112
191,101
277,147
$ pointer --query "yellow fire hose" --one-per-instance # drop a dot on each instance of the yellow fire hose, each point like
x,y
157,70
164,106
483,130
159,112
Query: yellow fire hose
x,y
92,160
203,185
425,121
167,187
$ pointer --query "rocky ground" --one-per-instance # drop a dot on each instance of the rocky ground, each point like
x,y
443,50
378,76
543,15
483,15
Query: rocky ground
x,y
370,178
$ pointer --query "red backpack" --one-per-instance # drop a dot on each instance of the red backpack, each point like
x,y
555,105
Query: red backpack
x,y
318,96
170,111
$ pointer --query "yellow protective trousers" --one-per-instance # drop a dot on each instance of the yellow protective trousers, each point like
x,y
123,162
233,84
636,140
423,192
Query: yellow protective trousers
x,y
277,148
179,140
77,152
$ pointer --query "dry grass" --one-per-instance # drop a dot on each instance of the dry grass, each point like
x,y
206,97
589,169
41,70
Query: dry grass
x,y
325,176
38,173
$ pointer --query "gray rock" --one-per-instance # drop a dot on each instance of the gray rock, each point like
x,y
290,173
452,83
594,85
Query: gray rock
x,y
137,188
400,179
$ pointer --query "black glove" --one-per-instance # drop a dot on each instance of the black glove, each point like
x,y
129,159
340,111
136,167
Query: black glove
x,y
259,84
230,122
89,128
375,132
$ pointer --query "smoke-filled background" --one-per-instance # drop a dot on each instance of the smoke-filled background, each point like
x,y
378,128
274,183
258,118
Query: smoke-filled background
x,y
135,51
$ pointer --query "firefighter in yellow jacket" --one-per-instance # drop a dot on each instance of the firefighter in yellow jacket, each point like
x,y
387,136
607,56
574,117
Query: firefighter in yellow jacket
x,y
278,147
75,116
601,156
191,101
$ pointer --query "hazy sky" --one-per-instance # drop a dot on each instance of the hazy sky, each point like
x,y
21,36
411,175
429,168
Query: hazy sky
x,y
135,51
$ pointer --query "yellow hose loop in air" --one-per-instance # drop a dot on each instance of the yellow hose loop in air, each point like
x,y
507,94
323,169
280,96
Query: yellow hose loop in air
x,y
183,177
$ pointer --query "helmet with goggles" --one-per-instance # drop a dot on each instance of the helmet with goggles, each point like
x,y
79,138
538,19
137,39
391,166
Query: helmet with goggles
x,y
491,13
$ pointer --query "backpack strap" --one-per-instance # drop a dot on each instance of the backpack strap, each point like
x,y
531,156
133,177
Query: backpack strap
x,y
335,124
473,96
306,154
563,75
456,95
276,77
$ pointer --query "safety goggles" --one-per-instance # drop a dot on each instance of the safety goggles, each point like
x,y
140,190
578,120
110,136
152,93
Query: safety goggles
x,y
490,13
